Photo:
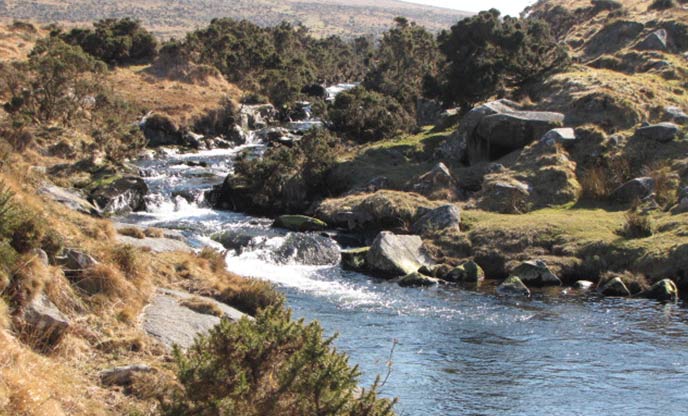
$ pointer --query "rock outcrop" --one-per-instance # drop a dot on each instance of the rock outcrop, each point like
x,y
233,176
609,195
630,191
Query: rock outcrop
x,y
171,323
437,184
469,272
661,132
634,190
394,255
655,41
497,128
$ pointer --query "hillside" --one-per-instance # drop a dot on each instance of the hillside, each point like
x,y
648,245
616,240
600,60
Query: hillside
x,y
176,17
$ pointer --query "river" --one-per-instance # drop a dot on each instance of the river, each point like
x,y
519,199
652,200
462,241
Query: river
x,y
457,352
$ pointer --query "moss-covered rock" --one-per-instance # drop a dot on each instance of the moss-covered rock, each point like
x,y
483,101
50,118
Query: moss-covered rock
x,y
536,273
615,287
417,280
355,259
664,291
469,272
513,286
300,223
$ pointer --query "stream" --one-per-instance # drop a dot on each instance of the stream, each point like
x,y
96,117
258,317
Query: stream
x,y
457,352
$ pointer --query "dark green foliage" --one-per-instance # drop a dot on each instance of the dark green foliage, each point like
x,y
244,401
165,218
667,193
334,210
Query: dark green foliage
x,y
217,122
270,366
289,179
406,55
53,85
277,62
662,4
253,297
486,53
365,116
115,41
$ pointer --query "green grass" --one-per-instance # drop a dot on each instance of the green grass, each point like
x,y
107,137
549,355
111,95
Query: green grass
x,y
398,159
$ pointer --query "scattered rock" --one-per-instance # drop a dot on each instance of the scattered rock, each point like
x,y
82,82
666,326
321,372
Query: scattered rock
x,y
308,249
394,255
171,323
417,280
565,136
615,287
469,272
239,238
513,286
70,198
442,218
438,183
259,116
505,197
123,376
76,261
662,132
583,285
676,115
300,223
536,273
663,291
633,190
655,41
122,196
355,259
47,323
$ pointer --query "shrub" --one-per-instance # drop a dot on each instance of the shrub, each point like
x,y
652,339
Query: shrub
x,y
366,116
134,232
289,179
270,366
637,225
251,296
115,41
662,4
486,53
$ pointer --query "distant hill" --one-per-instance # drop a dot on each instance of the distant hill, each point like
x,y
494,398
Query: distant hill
x,y
169,18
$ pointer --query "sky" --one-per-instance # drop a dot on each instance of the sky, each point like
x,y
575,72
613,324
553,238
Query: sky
x,y
510,7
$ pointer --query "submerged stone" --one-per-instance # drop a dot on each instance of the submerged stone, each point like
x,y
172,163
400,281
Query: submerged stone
x,y
469,272
513,286
615,287
355,259
417,280
299,223
663,291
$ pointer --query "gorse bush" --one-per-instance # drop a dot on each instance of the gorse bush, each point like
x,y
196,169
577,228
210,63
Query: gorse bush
x,y
270,366
55,83
114,41
288,179
406,55
366,116
486,53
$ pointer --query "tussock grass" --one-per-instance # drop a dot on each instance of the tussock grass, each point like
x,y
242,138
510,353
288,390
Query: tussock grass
x,y
134,232
203,306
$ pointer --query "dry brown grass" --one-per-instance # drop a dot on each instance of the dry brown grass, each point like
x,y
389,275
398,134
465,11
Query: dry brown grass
x,y
134,232
203,306
666,180
17,42
181,101
153,232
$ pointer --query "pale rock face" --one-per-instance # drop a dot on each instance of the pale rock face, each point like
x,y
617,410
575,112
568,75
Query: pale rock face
x,y
396,255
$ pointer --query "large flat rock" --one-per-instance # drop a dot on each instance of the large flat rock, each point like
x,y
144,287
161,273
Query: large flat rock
x,y
157,245
168,321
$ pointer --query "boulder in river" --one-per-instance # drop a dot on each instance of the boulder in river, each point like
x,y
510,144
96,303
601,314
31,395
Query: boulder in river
x,y
300,223
469,272
416,279
160,130
308,249
536,273
442,218
394,255
663,291
355,259
615,287
513,286
583,285
118,196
